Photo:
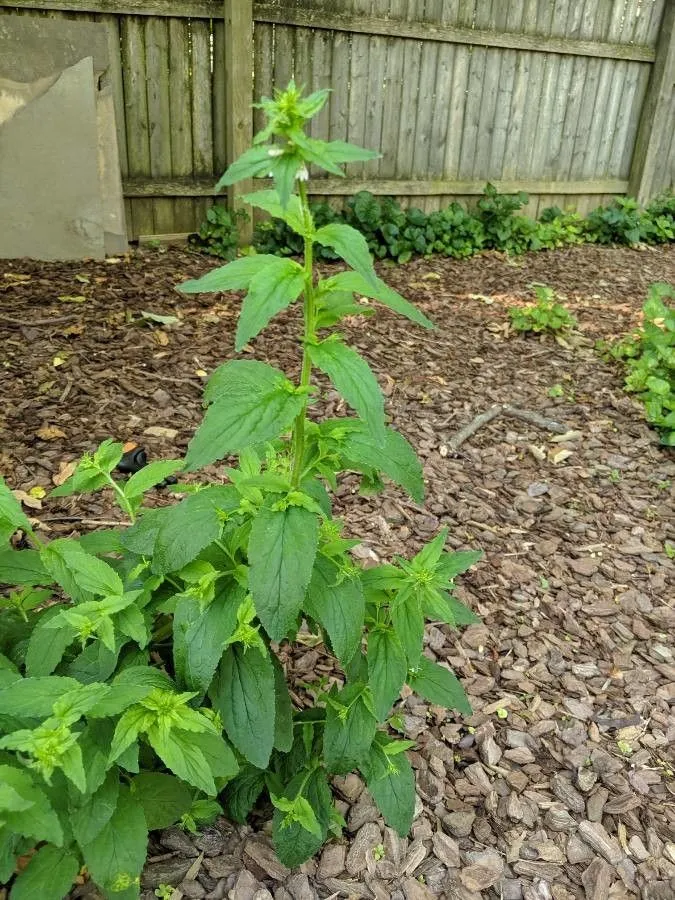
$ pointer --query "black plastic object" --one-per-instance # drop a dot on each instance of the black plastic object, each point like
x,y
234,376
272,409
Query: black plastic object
x,y
136,459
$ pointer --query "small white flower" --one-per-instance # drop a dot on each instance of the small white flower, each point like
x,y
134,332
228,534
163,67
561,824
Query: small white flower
x,y
275,151
302,174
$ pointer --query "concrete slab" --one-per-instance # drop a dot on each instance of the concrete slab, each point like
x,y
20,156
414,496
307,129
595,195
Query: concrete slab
x,y
33,47
50,192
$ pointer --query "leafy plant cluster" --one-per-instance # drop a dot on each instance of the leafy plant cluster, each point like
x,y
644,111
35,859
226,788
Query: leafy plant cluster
x,y
141,676
649,356
395,233
219,234
547,314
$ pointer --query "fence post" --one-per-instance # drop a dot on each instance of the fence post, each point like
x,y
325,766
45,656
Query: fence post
x,y
238,16
655,112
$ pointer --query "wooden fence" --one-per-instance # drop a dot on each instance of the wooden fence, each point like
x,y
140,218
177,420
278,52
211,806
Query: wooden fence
x,y
571,101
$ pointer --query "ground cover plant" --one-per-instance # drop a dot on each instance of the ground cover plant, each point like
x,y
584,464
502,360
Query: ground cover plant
x,y
153,687
649,356
547,314
496,224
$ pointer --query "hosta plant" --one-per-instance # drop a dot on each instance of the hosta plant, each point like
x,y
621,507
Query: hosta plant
x,y
141,675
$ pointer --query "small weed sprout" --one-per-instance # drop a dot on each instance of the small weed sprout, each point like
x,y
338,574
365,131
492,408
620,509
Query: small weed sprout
x,y
546,315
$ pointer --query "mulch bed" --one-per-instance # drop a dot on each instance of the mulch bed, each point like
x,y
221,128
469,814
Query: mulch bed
x,y
561,784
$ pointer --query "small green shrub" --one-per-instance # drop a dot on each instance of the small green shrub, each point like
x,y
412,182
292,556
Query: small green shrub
x,y
559,229
140,681
546,315
649,355
219,234
503,229
658,225
619,223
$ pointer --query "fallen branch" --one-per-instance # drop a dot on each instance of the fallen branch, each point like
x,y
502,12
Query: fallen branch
x,y
500,409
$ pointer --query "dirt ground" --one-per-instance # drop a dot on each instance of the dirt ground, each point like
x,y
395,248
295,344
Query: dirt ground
x,y
561,784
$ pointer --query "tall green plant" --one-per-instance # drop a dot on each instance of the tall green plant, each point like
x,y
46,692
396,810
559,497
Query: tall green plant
x,y
154,685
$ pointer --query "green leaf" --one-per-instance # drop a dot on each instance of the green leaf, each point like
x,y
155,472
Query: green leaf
x,y
452,564
34,697
243,792
218,754
397,459
185,530
255,404
408,621
38,821
95,810
254,162
46,646
243,693
438,685
200,636
341,152
391,782
117,854
293,843
283,718
12,517
292,215
95,663
281,552
179,753
90,574
22,567
150,475
350,728
337,604
387,669
446,608
49,875
164,798
376,289
274,288
235,276
353,378
351,246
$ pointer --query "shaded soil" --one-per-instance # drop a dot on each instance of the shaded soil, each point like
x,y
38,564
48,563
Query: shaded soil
x,y
561,784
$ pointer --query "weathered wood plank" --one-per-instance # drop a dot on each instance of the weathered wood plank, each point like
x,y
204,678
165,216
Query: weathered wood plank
x,y
239,94
655,113
392,98
339,187
181,119
204,9
136,106
157,75
202,108
422,31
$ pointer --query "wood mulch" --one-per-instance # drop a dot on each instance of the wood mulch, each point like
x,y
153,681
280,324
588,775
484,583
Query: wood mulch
x,y
561,784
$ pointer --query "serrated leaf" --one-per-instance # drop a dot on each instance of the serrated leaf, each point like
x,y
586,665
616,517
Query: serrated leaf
x,y
149,476
12,517
180,753
118,851
338,606
22,567
292,215
340,152
376,289
254,162
396,458
452,564
49,875
439,685
34,697
387,669
200,636
90,574
281,553
349,729
283,716
164,798
243,792
354,380
95,811
235,276
274,288
243,693
38,821
255,404
408,621
46,646
391,782
446,608
293,843
351,246
218,754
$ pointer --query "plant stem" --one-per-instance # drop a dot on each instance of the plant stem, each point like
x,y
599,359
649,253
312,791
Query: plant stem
x,y
298,441
122,500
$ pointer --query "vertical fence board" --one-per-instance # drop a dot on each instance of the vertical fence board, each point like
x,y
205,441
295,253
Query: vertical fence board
x,y
157,75
202,108
181,120
136,105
